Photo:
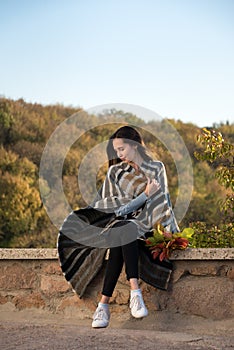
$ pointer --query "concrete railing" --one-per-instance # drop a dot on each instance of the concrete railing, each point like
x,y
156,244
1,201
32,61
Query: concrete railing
x,y
202,284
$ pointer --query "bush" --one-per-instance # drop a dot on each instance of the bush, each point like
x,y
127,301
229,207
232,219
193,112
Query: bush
x,y
206,236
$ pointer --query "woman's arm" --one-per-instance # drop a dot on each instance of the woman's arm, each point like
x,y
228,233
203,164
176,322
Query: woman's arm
x,y
114,198
132,206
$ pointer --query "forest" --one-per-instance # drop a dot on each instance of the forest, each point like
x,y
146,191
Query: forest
x,y
25,129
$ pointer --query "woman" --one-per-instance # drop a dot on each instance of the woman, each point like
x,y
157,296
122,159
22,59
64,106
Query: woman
x,y
136,190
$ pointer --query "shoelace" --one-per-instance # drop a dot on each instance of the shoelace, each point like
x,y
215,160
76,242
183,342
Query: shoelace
x,y
100,315
136,301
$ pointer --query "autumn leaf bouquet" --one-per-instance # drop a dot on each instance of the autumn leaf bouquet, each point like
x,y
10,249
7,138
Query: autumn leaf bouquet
x,y
162,243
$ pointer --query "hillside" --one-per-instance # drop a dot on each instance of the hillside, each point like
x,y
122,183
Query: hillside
x,y
25,130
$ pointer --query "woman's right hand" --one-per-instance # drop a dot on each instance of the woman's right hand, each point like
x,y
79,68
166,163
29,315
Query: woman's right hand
x,y
151,187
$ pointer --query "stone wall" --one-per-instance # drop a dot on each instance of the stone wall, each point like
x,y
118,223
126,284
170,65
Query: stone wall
x,y
202,284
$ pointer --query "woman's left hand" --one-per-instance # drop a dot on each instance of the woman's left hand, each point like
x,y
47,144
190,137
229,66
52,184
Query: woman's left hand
x,y
151,187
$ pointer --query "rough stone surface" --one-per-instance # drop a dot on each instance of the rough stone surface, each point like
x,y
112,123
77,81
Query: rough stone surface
x,y
198,287
16,276
3,300
120,296
230,273
204,254
33,329
73,306
188,254
53,285
33,253
32,300
51,268
209,297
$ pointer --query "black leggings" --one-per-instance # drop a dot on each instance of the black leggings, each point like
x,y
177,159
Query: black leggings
x,y
127,254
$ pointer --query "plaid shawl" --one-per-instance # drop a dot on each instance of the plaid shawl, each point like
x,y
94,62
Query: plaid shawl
x,y
124,182
80,261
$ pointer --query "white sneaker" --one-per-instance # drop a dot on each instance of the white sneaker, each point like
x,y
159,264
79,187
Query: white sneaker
x,y
101,317
137,306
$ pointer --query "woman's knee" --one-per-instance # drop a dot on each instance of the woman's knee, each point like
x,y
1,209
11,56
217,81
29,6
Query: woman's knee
x,y
122,233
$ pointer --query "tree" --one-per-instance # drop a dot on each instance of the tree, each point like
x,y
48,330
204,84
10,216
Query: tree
x,y
20,207
220,153
20,203
25,129
6,122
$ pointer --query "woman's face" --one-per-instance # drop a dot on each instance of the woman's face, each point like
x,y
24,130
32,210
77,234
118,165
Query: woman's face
x,y
125,151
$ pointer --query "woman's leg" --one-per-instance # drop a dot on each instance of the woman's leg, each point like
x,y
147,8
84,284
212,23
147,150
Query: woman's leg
x,y
113,270
114,267
130,256
127,254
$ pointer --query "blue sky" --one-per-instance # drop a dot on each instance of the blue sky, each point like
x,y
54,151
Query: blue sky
x,y
175,57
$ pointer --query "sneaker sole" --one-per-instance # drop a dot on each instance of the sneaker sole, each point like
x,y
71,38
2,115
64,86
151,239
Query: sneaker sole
x,y
140,316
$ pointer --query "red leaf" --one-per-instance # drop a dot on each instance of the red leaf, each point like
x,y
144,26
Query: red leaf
x,y
181,243
156,253
162,256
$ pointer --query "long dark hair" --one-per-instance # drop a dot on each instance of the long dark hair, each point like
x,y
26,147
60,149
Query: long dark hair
x,y
131,136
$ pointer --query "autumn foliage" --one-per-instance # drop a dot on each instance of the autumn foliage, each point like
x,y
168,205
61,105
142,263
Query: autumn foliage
x,y
162,243
25,129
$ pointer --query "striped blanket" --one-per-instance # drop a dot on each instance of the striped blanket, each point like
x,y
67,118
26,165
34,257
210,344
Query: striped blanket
x,y
124,182
81,244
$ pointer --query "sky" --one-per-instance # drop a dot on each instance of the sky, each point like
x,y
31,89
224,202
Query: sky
x,y
174,57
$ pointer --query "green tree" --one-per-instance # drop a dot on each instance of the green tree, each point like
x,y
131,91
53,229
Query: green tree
x,y
25,129
20,203
220,153
20,207
6,122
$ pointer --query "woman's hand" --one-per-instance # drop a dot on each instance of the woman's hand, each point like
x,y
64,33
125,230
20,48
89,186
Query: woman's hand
x,y
151,187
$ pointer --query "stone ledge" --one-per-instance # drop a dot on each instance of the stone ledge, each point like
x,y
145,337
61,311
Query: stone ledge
x,y
51,254
28,253
201,284
204,254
